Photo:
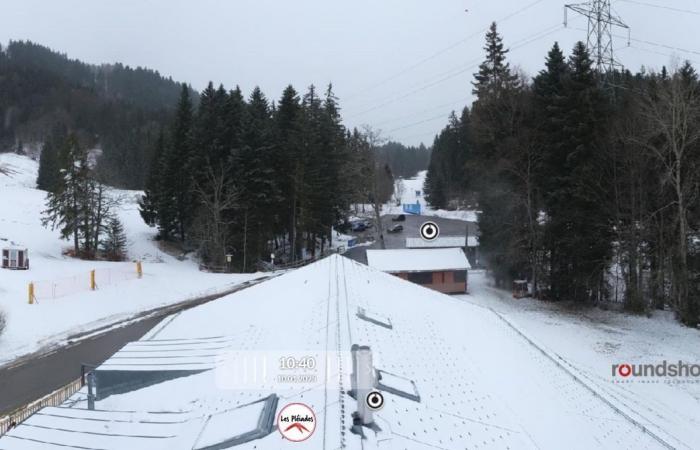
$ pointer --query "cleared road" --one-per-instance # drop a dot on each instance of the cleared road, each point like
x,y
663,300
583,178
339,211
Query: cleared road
x,y
26,382
33,377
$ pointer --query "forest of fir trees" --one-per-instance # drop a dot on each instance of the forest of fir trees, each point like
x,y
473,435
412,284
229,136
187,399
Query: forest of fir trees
x,y
588,186
248,177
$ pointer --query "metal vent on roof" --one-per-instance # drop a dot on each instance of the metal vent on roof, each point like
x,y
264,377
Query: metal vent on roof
x,y
373,318
237,426
397,385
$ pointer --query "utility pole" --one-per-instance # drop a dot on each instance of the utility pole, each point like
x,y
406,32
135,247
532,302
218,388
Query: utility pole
x,y
601,21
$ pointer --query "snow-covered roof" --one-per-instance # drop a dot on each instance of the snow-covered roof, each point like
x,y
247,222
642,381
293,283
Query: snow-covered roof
x,y
441,242
417,260
13,247
453,375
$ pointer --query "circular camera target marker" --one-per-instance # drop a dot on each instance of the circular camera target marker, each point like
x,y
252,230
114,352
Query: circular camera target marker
x,y
375,400
296,422
429,231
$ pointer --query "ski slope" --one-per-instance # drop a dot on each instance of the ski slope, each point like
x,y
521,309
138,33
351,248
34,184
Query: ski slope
x,y
479,383
29,328
413,192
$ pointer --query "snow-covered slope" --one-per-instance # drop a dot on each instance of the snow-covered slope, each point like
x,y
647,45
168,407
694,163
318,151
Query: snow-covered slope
x,y
590,341
30,327
413,192
480,383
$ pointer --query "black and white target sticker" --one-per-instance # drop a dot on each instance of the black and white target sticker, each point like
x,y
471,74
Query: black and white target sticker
x,y
429,231
375,400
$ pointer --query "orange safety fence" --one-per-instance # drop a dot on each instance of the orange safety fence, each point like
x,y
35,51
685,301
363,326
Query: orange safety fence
x,y
87,281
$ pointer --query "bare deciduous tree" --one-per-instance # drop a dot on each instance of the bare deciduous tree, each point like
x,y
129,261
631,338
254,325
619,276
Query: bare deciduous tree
x,y
217,195
672,114
380,179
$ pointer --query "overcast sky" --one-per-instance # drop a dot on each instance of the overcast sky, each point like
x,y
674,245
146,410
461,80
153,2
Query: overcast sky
x,y
398,65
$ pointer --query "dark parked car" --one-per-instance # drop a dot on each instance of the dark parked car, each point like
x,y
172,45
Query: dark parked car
x,y
399,218
395,229
358,226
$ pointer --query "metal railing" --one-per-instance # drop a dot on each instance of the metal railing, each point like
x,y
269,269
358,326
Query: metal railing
x,y
54,398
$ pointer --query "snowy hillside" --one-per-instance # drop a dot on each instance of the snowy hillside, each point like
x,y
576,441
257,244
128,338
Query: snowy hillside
x,y
119,295
413,193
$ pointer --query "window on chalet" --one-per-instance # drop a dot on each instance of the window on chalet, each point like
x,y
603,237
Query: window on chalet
x,y
421,277
460,276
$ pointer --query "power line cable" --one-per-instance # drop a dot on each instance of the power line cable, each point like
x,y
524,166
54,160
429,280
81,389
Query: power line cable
x,y
441,52
659,53
656,44
670,8
414,114
441,116
471,65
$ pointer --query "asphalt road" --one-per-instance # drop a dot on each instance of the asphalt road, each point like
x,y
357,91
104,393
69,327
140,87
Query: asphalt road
x,y
35,378
411,227
37,375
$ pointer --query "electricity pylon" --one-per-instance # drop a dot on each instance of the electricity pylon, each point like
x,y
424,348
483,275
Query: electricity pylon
x,y
601,21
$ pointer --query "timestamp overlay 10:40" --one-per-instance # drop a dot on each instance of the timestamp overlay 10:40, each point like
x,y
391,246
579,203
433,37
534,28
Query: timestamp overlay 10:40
x,y
241,370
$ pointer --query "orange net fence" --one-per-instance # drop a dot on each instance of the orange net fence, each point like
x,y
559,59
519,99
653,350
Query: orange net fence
x,y
87,281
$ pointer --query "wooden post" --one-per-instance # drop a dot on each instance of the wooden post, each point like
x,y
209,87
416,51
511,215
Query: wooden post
x,y
139,269
93,285
31,293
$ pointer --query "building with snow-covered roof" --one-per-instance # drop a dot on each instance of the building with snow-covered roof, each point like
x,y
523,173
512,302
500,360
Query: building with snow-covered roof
x,y
451,375
470,244
443,242
442,269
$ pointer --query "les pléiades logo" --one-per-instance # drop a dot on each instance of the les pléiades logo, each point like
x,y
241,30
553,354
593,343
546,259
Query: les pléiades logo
x,y
664,371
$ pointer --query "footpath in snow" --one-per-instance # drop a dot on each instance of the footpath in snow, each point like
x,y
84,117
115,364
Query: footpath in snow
x,y
29,328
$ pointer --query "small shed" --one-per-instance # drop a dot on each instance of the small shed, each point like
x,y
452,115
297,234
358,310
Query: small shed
x,y
15,258
442,269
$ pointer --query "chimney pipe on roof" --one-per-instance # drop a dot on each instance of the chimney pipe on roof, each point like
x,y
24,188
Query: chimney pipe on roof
x,y
363,381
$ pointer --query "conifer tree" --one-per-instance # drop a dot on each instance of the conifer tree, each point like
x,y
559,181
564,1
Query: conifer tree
x,y
289,164
113,245
49,164
256,177
177,206
494,117
494,76
578,228
151,200
68,205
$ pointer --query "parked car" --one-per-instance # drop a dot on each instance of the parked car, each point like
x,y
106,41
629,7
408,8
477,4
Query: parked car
x,y
395,229
399,218
369,223
358,226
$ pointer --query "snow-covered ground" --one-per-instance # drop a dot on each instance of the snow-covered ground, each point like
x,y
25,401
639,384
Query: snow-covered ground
x,y
165,280
461,376
590,341
413,192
